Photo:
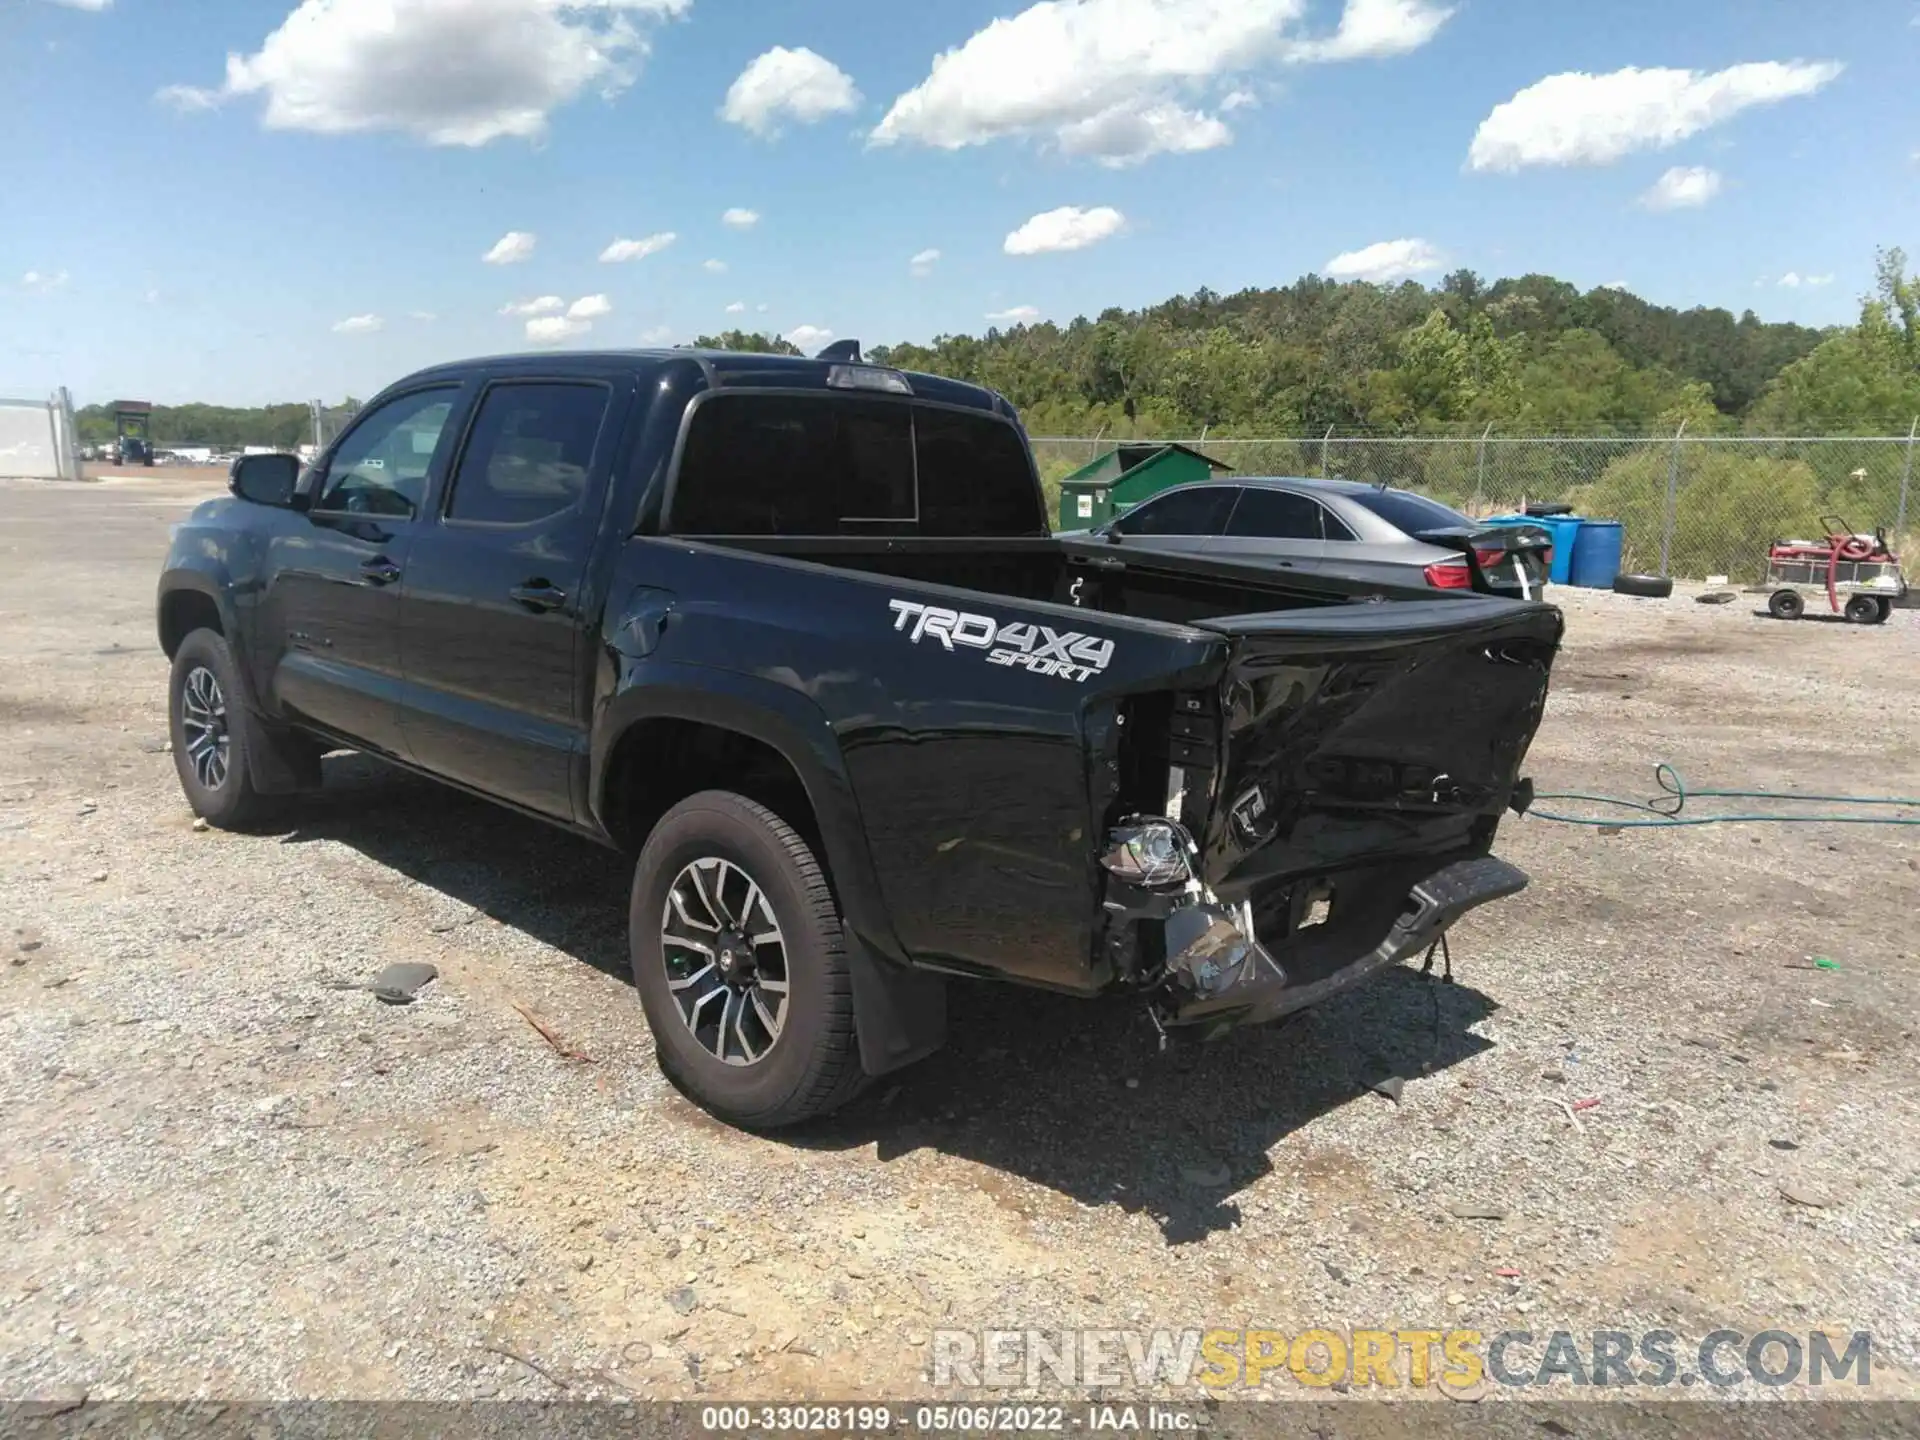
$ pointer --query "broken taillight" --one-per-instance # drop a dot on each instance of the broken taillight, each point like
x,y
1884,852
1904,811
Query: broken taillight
x,y
1150,853
1449,575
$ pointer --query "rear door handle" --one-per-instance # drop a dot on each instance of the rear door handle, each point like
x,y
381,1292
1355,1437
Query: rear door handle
x,y
380,570
539,595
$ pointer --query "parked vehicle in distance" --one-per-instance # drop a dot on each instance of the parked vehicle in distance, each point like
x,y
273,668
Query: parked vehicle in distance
x,y
793,632
1368,532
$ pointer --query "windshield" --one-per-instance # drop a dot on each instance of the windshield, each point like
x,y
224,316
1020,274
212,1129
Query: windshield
x,y
1411,513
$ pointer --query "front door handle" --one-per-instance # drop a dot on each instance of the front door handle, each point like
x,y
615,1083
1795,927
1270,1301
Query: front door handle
x,y
539,595
380,570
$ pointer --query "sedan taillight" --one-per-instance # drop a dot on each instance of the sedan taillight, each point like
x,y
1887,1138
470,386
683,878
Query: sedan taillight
x,y
1449,575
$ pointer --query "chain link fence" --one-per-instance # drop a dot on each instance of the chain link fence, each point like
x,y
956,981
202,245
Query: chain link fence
x,y
1690,506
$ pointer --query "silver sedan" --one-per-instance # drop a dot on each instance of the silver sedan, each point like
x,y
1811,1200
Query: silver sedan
x,y
1340,526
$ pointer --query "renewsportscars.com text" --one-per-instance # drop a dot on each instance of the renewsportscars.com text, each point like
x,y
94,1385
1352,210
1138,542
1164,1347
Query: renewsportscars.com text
x,y
1395,1359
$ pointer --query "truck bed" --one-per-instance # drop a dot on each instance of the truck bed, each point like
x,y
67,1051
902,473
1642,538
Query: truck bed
x,y
1309,742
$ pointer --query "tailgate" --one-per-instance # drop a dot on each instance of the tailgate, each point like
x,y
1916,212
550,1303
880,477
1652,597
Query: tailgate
x,y
1368,732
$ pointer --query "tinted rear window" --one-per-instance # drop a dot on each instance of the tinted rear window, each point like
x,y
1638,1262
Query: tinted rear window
x,y
1411,513
835,465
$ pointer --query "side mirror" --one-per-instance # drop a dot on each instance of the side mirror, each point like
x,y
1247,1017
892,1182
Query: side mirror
x,y
265,479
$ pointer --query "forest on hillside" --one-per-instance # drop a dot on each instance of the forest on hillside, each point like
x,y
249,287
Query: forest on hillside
x,y
1532,355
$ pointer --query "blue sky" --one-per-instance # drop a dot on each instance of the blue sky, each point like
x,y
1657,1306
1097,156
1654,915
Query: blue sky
x,y
175,228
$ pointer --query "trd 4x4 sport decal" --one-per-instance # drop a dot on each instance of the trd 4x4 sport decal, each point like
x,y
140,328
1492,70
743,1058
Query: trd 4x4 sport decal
x,y
1039,648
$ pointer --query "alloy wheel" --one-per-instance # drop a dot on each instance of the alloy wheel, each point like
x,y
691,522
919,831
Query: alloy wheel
x,y
726,960
203,716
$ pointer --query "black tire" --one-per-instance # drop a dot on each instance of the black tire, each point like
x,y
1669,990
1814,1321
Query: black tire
x,y
1886,609
811,1065
1786,605
1648,587
212,762
1864,610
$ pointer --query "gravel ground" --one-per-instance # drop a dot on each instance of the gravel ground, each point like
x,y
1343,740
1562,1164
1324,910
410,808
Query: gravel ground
x,y
222,1176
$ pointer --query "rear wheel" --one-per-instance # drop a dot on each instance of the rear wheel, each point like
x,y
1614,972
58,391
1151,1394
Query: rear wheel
x,y
1864,610
741,965
1786,605
1886,609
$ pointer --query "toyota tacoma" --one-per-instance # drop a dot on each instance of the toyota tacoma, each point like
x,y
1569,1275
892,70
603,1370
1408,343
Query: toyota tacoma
x,y
793,633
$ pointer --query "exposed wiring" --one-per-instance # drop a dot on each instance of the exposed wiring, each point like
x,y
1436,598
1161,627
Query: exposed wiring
x,y
1664,810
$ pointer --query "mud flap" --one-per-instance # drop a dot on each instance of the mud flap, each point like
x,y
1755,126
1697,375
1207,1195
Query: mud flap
x,y
279,761
899,1014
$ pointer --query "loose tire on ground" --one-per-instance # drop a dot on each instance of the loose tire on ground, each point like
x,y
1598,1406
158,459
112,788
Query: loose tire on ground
x,y
1786,605
812,1065
1647,587
1865,609
211,731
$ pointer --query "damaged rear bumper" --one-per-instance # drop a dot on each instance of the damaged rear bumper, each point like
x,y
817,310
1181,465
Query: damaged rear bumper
x,y
1218,974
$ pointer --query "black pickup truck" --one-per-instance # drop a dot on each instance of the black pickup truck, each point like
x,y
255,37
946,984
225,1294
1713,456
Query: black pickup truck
x,y
794,633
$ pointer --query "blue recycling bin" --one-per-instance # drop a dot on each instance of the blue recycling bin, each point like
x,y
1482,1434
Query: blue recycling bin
x,y
1565,530
1596,554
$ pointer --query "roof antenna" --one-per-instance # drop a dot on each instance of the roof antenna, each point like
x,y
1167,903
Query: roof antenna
x,y
843,352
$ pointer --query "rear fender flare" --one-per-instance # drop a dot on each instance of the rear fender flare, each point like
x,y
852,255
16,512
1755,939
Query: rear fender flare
x,y
899,1012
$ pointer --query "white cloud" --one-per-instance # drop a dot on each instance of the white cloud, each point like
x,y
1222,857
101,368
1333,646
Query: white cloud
x,y
41,281
1124,135
1015,315
359,325
922,263
552,329
1087,74
188,98
1789,281
1684,187
808,338
761,309
1374,29
1240,100
511,248
714,267
656,335
94,5
543,305
622,250
449,72
738,307
740,218
1581,119
787,84
1817,280
1387,260
425,317
1793,281
1067,228
590,307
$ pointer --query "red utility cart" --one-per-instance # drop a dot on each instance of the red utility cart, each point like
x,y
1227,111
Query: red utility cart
x,y
1855,573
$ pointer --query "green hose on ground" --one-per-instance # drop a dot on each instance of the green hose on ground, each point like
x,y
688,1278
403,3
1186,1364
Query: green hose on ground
x,y
1665,810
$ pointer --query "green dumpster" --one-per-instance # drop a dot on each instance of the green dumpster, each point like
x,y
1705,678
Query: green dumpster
x,y
1126,475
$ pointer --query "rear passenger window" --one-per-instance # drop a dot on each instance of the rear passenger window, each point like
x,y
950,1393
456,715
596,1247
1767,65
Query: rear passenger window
x,y
530,452
1275,515
832,465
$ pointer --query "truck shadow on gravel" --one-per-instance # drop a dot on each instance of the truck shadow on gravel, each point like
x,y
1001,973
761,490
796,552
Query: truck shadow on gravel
x,y
1072,1095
